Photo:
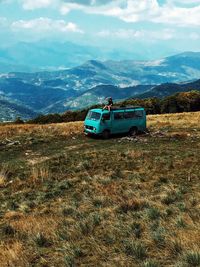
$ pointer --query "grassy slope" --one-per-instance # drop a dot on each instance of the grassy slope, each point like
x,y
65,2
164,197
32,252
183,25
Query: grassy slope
x,y
69,200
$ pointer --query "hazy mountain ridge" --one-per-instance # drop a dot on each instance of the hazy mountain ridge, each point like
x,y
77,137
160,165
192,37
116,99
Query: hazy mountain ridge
x,y
168,89
98,95
90,83
53,55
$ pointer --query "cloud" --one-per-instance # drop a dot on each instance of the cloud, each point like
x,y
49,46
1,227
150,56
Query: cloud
x,y
177,12
4,24
34,4
89,2
45,25
3,21
184,2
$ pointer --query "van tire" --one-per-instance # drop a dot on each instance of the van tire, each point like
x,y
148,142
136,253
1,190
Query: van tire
x,y
106,134
133,131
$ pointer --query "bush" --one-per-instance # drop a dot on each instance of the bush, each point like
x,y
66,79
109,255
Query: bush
x,y
18,121
193,258
41,240
8,230
153,213
136,250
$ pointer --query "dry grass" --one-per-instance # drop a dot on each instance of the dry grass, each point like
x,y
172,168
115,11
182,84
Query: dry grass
x,y
14,255
61,129
175,121
71,201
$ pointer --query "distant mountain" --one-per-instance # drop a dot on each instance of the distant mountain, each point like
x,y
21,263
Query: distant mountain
x,y
90,83
98,95
179,68
34,96
168,89
43,56
9,111
48,55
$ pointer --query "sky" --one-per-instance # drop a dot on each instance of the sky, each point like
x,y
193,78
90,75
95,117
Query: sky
x,y
168,26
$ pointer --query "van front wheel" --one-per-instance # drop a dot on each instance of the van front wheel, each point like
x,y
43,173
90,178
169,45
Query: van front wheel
x,y
106,134
133,131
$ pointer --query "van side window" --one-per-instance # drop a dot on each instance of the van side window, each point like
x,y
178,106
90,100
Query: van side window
x,y
138,113
129,114
119,115
133,114
106,116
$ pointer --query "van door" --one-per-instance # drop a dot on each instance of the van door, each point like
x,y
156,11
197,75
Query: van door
x,y
118,122
106,122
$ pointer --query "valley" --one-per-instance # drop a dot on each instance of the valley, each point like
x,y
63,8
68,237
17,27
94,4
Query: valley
x,y
89,84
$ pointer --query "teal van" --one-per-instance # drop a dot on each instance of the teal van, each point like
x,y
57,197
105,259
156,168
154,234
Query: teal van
x,y
119,120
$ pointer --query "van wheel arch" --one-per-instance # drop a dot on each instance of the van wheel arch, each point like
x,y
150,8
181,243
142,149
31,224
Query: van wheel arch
x,y
133,131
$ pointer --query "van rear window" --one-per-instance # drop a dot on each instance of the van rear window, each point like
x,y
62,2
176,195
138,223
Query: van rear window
x,y
138,113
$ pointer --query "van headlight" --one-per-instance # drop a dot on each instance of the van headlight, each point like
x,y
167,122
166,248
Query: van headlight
x,y
94,129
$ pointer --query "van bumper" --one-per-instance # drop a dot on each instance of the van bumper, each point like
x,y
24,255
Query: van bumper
x,y
91,133
88,132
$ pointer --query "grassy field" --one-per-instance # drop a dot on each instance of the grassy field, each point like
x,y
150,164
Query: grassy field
x,y
70,200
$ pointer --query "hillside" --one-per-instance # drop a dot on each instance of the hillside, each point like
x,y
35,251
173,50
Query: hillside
x,y
9,111
168,89
89,84
97,95
70,200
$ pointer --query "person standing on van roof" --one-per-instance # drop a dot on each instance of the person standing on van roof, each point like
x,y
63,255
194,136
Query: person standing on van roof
x,y
110,103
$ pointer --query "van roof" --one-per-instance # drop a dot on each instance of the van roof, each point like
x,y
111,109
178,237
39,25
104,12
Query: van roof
x,y
117,108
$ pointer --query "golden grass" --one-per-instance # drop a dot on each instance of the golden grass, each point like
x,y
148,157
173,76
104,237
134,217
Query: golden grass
x,y
86,205
34,224
14,255
175,121
3,175
60,129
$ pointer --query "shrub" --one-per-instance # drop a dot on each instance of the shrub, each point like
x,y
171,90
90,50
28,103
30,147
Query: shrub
x,y
41,240
137,230
68,210
136,250
8,230
180,223
159,237
193,258
176,247
69,261
131,205
153,213
18,120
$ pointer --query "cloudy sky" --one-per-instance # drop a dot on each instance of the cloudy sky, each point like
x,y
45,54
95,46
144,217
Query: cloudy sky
x,y
167,25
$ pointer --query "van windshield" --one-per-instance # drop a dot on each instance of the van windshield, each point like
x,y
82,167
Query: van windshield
x,y
92,115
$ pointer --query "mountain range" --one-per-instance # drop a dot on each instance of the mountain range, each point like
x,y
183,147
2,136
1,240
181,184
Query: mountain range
x,y
91,82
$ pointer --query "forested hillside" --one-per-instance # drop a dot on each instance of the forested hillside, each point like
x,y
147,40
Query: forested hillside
x,y
180,102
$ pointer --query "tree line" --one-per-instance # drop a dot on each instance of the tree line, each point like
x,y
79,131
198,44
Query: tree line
x,y
180,102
